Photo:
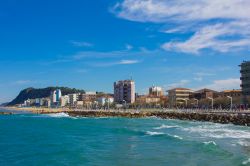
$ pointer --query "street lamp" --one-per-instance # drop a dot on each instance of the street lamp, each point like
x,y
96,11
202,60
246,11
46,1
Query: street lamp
x,y
197,101
231,99
186,101
125,103
212,102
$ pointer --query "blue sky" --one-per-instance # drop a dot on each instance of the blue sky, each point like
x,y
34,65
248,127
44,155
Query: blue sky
x,y
90,44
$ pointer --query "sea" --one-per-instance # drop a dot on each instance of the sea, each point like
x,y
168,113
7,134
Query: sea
x,y
57,139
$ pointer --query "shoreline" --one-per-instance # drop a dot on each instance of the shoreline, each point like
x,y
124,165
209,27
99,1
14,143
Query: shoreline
x,y
236,118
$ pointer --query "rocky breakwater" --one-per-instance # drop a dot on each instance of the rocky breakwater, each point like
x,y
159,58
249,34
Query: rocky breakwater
x,y
239,118
6,113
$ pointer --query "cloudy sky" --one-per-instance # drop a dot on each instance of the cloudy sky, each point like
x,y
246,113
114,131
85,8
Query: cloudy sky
x,y
90,44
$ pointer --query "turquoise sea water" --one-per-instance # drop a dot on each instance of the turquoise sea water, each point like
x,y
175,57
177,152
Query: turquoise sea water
x,y
57,139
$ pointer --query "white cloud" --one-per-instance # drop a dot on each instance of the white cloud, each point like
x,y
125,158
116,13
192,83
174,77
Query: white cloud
x,y
216,37
219,25
121,62
81,44
219,85
181,10
179,84
23,82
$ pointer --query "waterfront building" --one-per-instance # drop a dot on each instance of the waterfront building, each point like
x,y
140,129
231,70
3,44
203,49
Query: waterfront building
x,y
124,91
179,96
148,99
56,96
105,100
73,98
204,94
245,78
231,93
156,91
87,96
64,101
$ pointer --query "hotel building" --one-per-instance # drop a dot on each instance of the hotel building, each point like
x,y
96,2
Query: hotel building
x,y
124,91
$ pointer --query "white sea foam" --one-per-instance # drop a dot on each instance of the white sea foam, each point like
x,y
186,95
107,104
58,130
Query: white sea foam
x,y
59,115
246,162
165,127
244,143
210,143
154,133
176,136
218,131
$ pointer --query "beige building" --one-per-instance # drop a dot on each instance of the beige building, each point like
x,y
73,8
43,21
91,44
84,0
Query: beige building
x,y
148,100
178,96
232,93
64,101
156,91
124,91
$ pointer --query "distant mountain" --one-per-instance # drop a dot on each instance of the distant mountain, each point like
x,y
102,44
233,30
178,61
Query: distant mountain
x,y
32,93
3,104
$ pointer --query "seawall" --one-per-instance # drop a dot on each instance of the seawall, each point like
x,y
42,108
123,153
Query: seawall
x,y
216,117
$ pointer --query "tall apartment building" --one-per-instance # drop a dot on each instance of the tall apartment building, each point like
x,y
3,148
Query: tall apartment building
x,y
155,91
56,96
124,91
245,78
178,96
73,98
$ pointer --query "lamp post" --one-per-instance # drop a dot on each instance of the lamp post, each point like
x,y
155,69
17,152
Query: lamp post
x,y
231,104
125,103
212,102
186,101
197,101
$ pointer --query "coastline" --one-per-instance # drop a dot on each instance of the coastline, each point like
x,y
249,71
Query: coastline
x,y
237,118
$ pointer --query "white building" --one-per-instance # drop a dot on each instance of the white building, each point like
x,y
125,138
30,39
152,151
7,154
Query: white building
x,y
105,100
73,98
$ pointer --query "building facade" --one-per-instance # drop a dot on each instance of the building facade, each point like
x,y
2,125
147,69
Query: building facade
x,y
178,96
156,91
245,78
124,91
56,96
204,94
73,98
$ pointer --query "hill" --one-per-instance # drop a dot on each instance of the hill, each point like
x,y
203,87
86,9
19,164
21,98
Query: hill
x,y
32,93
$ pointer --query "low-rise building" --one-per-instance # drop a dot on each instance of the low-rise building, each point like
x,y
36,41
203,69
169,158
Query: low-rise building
x,y
204,94
145,99
178,96
231,93
105,100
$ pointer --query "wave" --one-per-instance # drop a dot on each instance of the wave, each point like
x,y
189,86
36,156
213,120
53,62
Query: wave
x,y
210,143
165,127
154,133
58,115
246,162
176,136
218,131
